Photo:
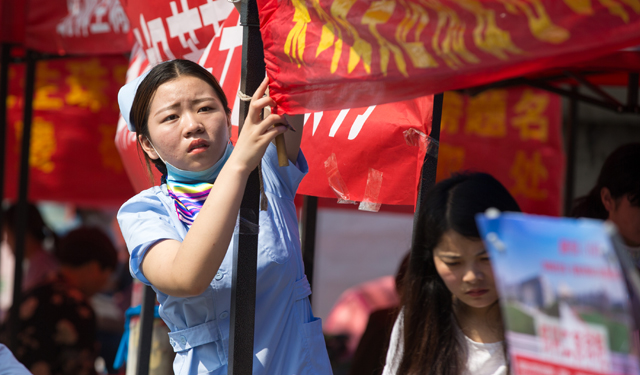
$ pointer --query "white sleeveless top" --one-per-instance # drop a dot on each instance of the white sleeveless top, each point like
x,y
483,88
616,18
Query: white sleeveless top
x,y
483,359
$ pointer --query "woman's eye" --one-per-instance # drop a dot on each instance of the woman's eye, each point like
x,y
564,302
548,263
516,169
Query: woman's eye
x,y
485,259
451,264
205,109
170,118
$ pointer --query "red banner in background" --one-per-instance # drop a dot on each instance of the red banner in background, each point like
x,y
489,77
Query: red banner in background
x,y
332,54
75,27
72,155
169,30
515,135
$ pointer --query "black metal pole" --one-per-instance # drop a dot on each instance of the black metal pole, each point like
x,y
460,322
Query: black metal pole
x,y
146,330
427,180
308,235
243,287
570,135
5,57
632,92
23,189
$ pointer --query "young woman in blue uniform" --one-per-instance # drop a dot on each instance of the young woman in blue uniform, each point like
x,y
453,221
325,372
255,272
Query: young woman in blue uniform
x,y
180,234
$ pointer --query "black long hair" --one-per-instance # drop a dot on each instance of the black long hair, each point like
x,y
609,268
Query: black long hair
x,y
430,333
160,74
621,175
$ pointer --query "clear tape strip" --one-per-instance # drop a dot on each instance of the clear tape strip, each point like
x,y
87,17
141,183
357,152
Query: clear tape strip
x,y
428,145
336,182
372,192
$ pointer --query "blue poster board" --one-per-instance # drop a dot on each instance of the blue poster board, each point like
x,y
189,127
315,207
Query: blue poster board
x,y
563,295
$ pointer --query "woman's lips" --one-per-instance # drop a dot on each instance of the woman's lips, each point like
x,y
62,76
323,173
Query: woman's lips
x,y
198,146
477,292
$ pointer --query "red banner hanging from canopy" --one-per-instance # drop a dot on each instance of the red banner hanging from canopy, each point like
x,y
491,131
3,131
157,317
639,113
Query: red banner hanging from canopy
x,y
333,54
72,155
74,27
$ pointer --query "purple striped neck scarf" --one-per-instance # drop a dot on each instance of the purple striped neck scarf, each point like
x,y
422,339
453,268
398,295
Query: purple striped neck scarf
x,y
190,189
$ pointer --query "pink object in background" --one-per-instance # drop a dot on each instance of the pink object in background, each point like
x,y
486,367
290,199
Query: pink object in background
x,y
351,312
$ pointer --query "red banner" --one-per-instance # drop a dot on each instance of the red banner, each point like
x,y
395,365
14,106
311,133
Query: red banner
x,y
75,27
372,154
331,54
176,29
515,135
72,155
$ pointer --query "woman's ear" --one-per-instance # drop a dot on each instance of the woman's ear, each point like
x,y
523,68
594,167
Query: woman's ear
x,y
607,200
147,147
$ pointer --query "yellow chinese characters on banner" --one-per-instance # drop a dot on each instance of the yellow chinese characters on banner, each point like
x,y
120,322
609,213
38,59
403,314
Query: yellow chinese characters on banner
x,y
75,113
513,134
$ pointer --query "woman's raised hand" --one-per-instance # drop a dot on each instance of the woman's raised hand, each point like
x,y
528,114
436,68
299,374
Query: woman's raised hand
x,y
257,133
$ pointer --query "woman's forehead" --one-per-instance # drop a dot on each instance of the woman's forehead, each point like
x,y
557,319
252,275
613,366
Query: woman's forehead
x,y
455,244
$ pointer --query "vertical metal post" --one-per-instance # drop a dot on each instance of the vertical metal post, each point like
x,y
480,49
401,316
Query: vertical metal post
x,y
146,330
23,189
427,178
5,54
571,136
308,234
632,93
243,287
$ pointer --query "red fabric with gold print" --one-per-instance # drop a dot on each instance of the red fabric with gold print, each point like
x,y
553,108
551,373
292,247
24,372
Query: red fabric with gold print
x,y
333,54
72,155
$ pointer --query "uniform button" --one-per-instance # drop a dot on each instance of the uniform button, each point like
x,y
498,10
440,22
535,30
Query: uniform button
x,y
219,276
224,315
183,340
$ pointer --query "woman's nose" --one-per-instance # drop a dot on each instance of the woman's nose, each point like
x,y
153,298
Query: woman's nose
x,y
192,125
472,275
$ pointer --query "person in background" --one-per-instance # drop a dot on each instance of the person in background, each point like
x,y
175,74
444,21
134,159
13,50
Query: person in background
x,y
616,196
57,333
450,323
41,263
9,365
372,349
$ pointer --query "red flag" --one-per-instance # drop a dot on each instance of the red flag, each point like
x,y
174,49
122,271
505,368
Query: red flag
x,y
329,54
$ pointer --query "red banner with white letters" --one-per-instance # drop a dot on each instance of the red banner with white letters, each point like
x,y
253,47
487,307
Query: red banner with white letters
x,y
169,30
72,155
69,27
333,54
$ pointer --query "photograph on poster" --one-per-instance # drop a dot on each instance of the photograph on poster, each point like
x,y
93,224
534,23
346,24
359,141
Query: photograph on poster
x,y
563,295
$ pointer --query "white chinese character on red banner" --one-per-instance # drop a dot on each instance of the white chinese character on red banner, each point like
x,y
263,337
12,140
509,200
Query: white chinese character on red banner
x,y
183,23
88,17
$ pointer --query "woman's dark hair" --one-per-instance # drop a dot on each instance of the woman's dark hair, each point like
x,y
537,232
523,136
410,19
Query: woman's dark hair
x,y
621,175
36,227
160,74
86,244
430,339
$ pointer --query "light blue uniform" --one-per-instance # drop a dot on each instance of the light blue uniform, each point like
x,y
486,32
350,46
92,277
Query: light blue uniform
x,y
288,339
9,365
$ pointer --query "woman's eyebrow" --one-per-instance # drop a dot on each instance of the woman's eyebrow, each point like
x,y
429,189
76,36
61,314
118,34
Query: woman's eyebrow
x,y
194,101
482,252
449,256
174,105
